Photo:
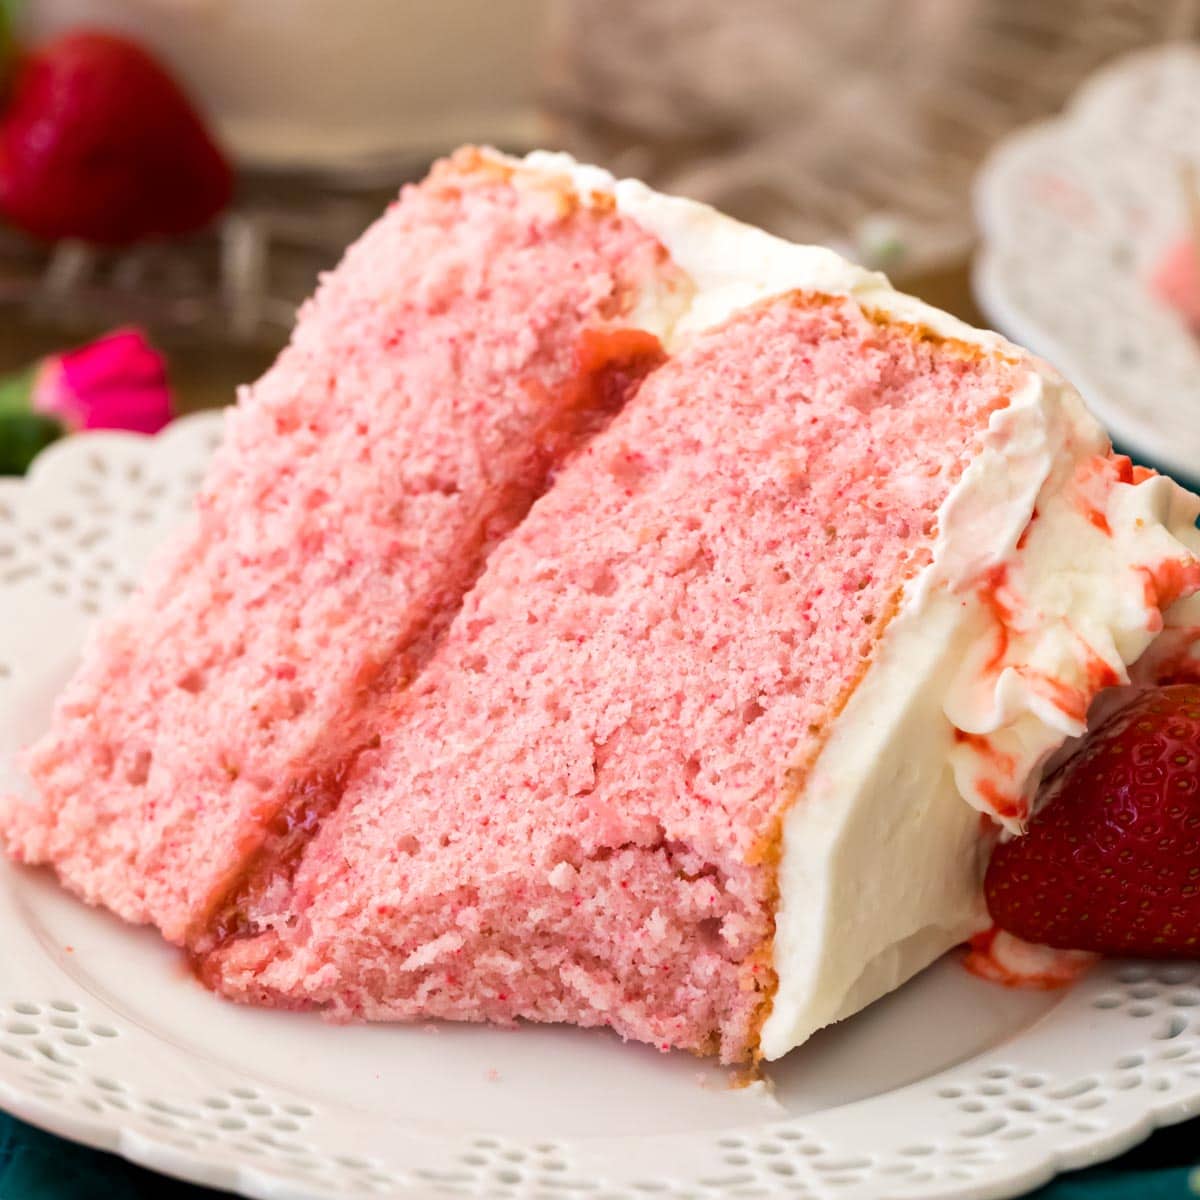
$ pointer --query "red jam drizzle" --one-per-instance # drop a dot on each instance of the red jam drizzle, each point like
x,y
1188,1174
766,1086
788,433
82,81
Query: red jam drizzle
x,y
1057,968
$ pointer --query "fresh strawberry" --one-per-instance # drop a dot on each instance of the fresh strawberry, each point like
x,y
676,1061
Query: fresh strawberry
x,y
98,142
1111,863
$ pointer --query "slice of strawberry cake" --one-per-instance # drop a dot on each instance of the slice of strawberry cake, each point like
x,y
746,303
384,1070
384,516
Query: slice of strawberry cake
x,y
679,720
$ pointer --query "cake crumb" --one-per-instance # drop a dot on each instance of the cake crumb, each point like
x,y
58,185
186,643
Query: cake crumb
x,y
562,876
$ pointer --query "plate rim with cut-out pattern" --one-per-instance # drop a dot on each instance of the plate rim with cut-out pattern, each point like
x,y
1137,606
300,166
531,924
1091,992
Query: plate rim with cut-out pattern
x,y
1116,1056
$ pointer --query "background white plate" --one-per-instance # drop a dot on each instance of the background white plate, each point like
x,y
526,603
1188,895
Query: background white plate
x,y
1075,215
952,1087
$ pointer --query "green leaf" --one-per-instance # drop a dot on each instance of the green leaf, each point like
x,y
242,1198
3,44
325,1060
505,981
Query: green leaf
x,y
16,392
22,437
9,12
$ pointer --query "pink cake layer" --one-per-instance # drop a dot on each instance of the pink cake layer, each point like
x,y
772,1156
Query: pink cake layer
x,y
464,347
573,814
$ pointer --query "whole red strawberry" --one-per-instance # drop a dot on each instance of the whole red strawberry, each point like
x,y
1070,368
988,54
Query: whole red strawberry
x,y
1111,863
98,142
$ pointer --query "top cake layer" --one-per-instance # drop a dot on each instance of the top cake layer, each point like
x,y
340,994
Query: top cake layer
x,y
468,342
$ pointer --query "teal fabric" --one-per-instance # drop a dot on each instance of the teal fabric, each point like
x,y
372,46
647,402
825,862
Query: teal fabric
x,y
1174,1184
1165,1167
36,1166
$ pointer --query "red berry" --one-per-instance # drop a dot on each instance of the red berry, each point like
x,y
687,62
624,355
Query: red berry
x,y
98,142
1111,863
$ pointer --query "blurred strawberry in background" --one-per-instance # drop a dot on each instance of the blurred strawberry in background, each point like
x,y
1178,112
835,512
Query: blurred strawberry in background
x,y
98,142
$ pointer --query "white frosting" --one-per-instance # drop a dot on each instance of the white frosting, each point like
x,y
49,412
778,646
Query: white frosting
x,y
732,265
1005,638
889,785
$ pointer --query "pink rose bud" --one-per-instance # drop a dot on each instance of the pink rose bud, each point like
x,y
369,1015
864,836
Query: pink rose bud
x,y
117,382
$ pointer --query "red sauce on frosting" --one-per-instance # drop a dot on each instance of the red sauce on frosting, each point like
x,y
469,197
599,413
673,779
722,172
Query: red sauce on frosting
x,y
1000,608
983,746
1092,486
1165,583
1007,807
1001,958
1024,538
1074,701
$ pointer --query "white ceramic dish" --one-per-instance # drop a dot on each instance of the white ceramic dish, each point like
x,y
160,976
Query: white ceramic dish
x,y
950,1088
1075,214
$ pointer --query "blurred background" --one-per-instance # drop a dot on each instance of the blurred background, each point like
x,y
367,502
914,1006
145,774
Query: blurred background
x,y
860,124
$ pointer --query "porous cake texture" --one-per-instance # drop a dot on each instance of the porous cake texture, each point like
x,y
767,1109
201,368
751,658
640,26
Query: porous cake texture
x,y
572,814
469,341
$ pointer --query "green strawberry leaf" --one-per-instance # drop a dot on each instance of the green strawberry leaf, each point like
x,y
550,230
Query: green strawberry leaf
x,y
22,437
9,12
16,392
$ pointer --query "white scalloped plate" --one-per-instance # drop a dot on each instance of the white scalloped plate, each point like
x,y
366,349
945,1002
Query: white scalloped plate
x,y
950,1088
1075,214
